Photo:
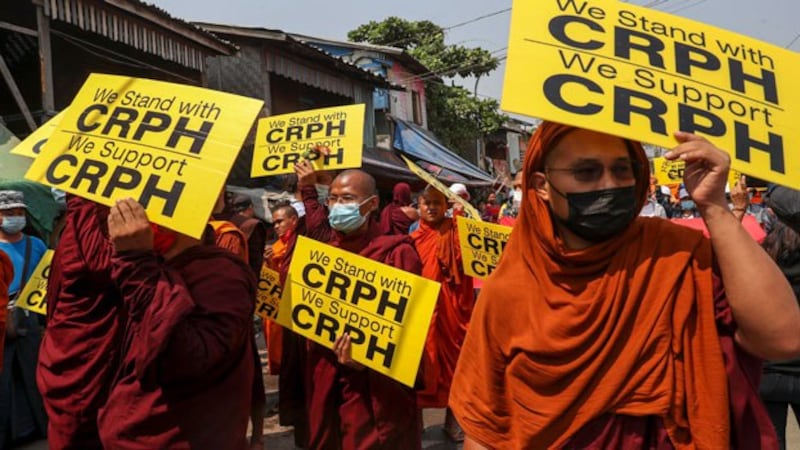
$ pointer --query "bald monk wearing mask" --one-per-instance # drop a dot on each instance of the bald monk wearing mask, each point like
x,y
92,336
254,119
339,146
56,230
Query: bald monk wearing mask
x,y
600,329
351,407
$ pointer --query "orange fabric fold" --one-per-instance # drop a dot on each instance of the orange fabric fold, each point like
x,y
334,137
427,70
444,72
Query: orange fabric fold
x,y
273,333
279,249
561,337
440,253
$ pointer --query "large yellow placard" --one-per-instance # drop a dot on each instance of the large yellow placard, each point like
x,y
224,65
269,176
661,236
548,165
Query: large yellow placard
x,y
282,141
268,295
482,244
169,146
439,186
642,74
386,311
34,295
33,144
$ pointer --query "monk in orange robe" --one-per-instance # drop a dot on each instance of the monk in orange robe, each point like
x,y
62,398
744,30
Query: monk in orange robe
x,y
436,241
601,329
285,220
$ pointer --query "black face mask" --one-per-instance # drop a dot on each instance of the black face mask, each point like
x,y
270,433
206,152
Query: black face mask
x,y
599,215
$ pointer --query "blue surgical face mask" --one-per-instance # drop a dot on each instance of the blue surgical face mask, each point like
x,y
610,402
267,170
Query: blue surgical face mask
x,y
346,217
13,224
687,204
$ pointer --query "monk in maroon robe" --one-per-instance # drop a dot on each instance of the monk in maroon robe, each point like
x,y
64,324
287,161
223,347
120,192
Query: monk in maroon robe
x,y
351,407
78,355
397,217
186,373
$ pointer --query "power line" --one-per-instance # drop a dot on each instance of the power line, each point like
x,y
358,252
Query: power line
x,y
455,67
688,6
675,4
476,19
790,44
485,16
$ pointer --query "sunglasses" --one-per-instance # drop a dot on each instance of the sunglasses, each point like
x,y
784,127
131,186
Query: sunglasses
x,y
591,171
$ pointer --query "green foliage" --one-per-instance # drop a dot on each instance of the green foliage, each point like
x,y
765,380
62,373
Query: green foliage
x,y
454,114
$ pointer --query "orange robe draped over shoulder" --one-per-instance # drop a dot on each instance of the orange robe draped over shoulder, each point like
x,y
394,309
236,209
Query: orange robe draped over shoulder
x,y
625,329
272,331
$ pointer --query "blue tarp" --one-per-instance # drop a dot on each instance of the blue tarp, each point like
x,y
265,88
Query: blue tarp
x,y
418,143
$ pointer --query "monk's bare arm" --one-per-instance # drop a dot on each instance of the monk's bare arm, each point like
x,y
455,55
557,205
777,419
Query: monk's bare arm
x,y
470,444
761,299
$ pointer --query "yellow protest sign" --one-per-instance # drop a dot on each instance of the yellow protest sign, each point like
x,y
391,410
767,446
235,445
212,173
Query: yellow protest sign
x,y
671,172
268,295
32,145
642,74
433,181
331,292
169,146
481,243
34,295
283,140
668,172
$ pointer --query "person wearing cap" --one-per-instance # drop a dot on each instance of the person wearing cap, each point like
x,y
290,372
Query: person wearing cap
x,y
457,209
688,207
240,212
22,415
780,383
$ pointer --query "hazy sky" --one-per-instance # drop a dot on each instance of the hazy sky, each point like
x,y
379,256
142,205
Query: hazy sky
x,y
775,21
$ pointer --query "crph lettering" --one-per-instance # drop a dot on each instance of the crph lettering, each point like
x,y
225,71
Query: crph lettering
x,y
127,123
96,174
308,131
288,160
632,45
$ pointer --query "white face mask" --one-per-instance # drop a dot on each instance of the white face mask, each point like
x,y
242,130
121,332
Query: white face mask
x,y
13,224
517,199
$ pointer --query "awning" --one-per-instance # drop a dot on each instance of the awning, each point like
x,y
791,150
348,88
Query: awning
x,y
419,144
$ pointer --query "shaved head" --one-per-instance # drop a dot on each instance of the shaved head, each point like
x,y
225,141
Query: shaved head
x,y
431,192
358,180
432,206
287,210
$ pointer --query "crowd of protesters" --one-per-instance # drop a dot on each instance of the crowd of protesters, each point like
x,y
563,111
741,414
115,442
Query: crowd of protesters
x,y
612,321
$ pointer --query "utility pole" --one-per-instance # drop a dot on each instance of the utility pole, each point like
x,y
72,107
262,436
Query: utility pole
x,y
478,148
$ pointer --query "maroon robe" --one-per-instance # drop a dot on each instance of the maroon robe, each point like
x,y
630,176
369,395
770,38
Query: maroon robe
x,y
361,409
78,355
187,371
393,219
292,405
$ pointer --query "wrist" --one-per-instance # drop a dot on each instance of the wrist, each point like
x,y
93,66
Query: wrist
x,y
713,210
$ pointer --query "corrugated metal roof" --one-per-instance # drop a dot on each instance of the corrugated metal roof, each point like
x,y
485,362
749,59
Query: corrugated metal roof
x,y
142,26
410,62
297,45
